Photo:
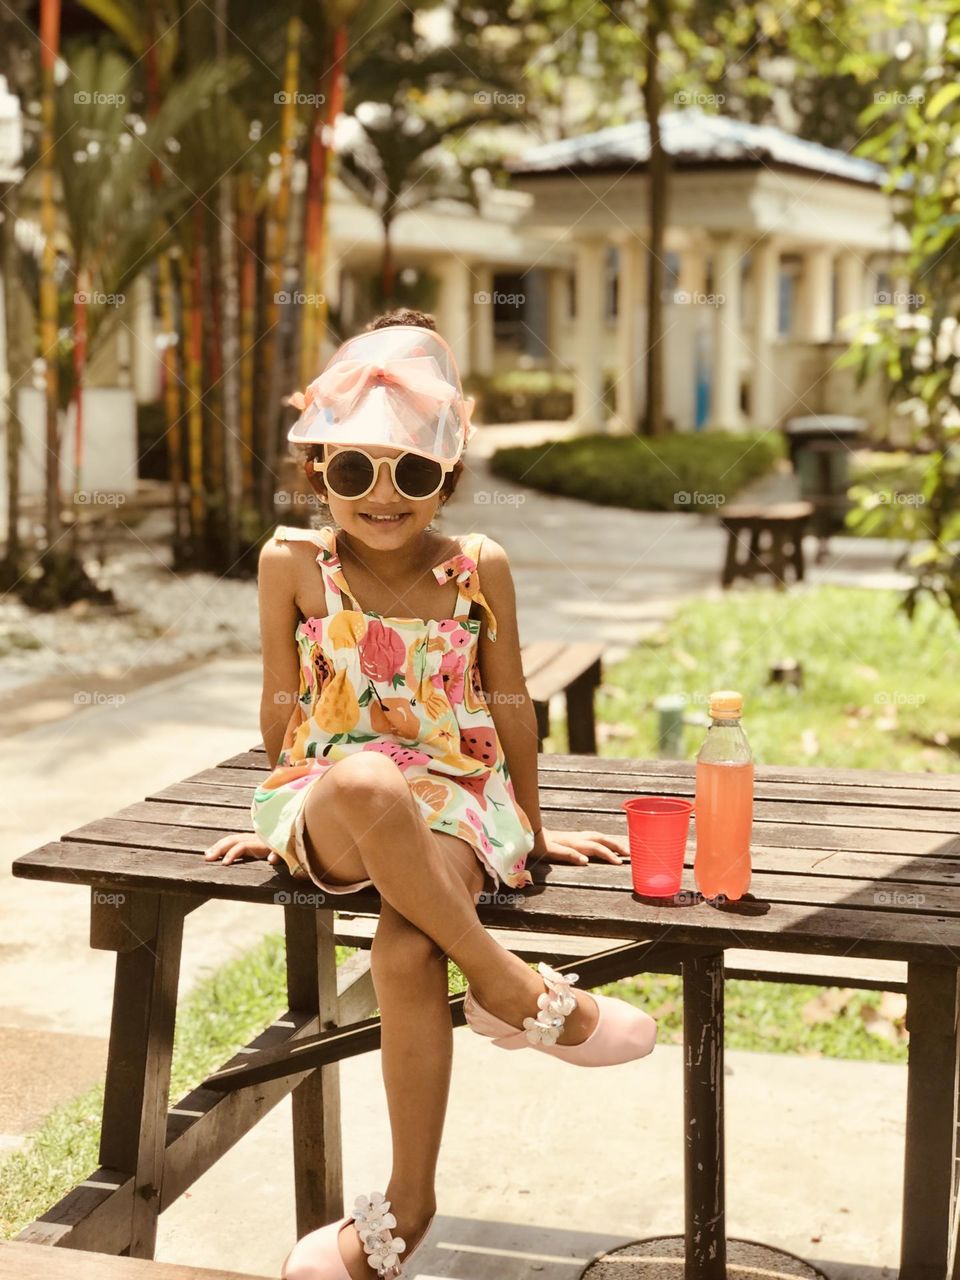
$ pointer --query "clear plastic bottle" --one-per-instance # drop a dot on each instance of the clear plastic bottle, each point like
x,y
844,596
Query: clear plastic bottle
x,y
723,812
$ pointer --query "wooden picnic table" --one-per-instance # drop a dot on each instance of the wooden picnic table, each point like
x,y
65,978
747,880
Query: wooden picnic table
x,y
847,863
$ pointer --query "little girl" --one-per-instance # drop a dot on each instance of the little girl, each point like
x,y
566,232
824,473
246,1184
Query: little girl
x,y
409,761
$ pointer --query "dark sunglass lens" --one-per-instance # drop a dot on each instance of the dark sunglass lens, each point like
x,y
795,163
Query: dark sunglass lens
x,y
418,477
349,473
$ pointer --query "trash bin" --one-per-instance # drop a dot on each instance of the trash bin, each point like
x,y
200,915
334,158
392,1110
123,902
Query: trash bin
x,y
820,446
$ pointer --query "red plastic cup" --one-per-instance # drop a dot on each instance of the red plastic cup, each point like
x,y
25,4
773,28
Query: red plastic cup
x,y
657,828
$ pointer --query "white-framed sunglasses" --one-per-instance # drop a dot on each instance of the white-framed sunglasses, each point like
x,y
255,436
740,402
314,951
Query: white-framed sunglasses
x,y
352,473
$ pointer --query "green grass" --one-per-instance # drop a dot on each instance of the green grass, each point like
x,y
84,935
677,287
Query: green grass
x,y
879,691
688,473
220,1014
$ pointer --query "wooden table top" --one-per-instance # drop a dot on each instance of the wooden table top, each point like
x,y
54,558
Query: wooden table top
x,y
845,861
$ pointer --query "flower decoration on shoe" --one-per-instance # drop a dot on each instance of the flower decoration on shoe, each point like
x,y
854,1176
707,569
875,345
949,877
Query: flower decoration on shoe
x,y
554,1005
374,1222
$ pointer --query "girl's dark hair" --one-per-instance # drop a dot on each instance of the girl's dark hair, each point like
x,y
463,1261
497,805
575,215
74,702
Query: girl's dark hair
x,y
402,315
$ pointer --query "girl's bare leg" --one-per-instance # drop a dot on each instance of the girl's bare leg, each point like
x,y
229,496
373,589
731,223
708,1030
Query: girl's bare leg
x,y
410,976
363,821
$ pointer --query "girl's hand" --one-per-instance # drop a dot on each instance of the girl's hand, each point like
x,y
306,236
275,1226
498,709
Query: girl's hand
x,y
236,846
578,847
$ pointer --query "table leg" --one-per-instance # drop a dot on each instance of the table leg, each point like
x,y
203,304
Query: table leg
x,y
317,1151
704,1204
931,1131
146,930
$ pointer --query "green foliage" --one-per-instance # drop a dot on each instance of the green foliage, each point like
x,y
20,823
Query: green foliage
x,y
676,473
919,351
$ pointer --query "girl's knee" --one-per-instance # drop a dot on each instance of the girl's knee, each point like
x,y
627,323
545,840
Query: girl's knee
x,y
367,781
401,950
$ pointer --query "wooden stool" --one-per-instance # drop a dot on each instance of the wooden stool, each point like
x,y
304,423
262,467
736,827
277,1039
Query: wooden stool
x,y
776,540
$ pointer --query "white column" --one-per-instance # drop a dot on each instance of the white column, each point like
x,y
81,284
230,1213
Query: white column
x,y
631,331
483,339
725,390
588,365
455,310
816,293
765,272
558,315
850,277
693,270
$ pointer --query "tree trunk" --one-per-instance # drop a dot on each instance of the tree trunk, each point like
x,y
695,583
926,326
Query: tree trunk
x,y
16,355
653,417
49,303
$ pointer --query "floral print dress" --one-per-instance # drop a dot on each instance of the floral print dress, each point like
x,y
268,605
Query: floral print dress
x,y
408,688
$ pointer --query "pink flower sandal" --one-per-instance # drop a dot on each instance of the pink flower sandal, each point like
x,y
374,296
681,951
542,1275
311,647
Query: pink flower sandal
x,y
622,1033
317,1255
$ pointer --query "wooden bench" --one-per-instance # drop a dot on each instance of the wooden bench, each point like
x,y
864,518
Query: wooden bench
x,y
549,668
775,540
40,1262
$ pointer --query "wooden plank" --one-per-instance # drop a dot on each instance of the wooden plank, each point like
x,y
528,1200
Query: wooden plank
x,y
896,935
808,812
800,775
317,1145
705,1236
347,1042
20,1261
855,864
931,1132
136,1094
223,819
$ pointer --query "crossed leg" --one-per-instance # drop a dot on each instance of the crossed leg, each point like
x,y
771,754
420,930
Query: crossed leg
x,y
362,821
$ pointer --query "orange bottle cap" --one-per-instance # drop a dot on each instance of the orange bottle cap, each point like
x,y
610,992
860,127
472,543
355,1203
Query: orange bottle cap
x,y
724,704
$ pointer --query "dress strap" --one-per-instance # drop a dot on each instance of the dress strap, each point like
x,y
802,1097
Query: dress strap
x,y
334,583
464,567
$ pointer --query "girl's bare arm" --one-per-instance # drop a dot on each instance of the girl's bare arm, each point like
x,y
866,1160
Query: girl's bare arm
x,y
276,579
501,674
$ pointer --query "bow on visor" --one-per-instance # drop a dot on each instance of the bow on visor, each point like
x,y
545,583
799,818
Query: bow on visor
x,y
341,387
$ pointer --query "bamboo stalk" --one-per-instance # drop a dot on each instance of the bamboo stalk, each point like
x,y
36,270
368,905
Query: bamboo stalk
x,y
49,318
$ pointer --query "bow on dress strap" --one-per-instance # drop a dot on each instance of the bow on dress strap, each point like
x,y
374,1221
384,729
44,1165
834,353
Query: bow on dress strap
x,y
465,570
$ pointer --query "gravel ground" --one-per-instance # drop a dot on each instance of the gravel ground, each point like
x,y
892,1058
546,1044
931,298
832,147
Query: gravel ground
x,y
160,619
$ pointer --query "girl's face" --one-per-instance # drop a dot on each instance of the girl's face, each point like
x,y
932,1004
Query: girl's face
x,y
355,515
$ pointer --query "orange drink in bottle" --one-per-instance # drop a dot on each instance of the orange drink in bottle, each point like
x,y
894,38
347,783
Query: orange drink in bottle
x,y
723,809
